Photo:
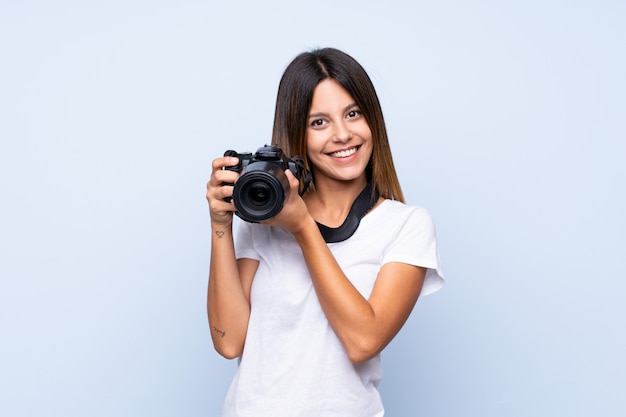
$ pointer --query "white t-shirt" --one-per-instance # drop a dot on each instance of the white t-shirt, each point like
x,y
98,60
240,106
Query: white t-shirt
x,y
293,364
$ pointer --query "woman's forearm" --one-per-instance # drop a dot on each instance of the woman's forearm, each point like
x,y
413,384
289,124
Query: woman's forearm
x,y
364,326
228,303
348,312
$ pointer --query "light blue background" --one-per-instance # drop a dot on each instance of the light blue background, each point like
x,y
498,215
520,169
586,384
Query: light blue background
x,y
507,121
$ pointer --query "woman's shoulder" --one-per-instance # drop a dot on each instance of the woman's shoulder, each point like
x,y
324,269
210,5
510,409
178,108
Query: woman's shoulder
x,y
396,215
398,208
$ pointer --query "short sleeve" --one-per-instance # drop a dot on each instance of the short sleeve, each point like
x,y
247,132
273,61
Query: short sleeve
x,y
244,243
416,244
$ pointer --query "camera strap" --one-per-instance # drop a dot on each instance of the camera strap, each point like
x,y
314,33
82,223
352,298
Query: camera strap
x,y
363,203
296,165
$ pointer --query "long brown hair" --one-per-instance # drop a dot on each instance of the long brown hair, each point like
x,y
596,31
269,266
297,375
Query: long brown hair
x,y
295,94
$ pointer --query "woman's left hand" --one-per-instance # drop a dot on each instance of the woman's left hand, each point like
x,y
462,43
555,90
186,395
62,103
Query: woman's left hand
x,y
294,214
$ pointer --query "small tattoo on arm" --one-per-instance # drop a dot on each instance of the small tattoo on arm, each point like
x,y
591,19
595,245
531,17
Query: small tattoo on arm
x,y
222,333
219,234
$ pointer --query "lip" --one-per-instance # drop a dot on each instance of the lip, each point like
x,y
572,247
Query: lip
x,y
345,153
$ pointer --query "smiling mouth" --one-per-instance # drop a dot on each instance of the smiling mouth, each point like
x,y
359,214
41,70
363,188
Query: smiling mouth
x,y
345,153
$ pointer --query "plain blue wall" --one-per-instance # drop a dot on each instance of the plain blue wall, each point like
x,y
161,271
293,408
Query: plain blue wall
x,y
507,121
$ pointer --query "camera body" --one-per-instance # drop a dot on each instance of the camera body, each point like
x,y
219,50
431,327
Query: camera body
x,y
262,187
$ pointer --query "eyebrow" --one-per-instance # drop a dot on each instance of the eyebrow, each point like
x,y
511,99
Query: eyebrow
x,y
322,114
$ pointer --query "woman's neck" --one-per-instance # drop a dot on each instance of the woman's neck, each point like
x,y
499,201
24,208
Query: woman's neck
x,y
330,201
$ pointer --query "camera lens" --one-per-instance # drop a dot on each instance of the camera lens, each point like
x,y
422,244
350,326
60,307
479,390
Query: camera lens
x,y
259,193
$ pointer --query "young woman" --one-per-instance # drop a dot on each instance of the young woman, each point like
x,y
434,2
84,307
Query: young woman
x,y
308,299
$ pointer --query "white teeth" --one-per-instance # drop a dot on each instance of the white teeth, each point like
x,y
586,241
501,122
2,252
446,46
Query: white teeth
x,y
343,154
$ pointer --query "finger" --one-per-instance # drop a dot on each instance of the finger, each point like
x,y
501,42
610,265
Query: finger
x,y
219,207
225,161
221,193
222,177
293,181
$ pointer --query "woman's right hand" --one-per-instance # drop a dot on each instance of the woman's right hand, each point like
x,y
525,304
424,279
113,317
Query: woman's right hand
x,y
220,188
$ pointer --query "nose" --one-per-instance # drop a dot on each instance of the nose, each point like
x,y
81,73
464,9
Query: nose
x,y
342,132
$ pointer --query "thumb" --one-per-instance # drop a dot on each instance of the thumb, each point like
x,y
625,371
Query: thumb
x,y
294,183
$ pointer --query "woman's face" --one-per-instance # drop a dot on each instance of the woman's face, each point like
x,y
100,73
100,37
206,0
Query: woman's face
x,y
338,138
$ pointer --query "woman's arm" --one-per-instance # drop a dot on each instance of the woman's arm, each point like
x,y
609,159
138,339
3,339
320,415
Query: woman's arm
x,y
228,297
364,326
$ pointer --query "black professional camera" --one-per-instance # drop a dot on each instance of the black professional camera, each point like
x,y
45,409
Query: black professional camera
x,y
262,187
